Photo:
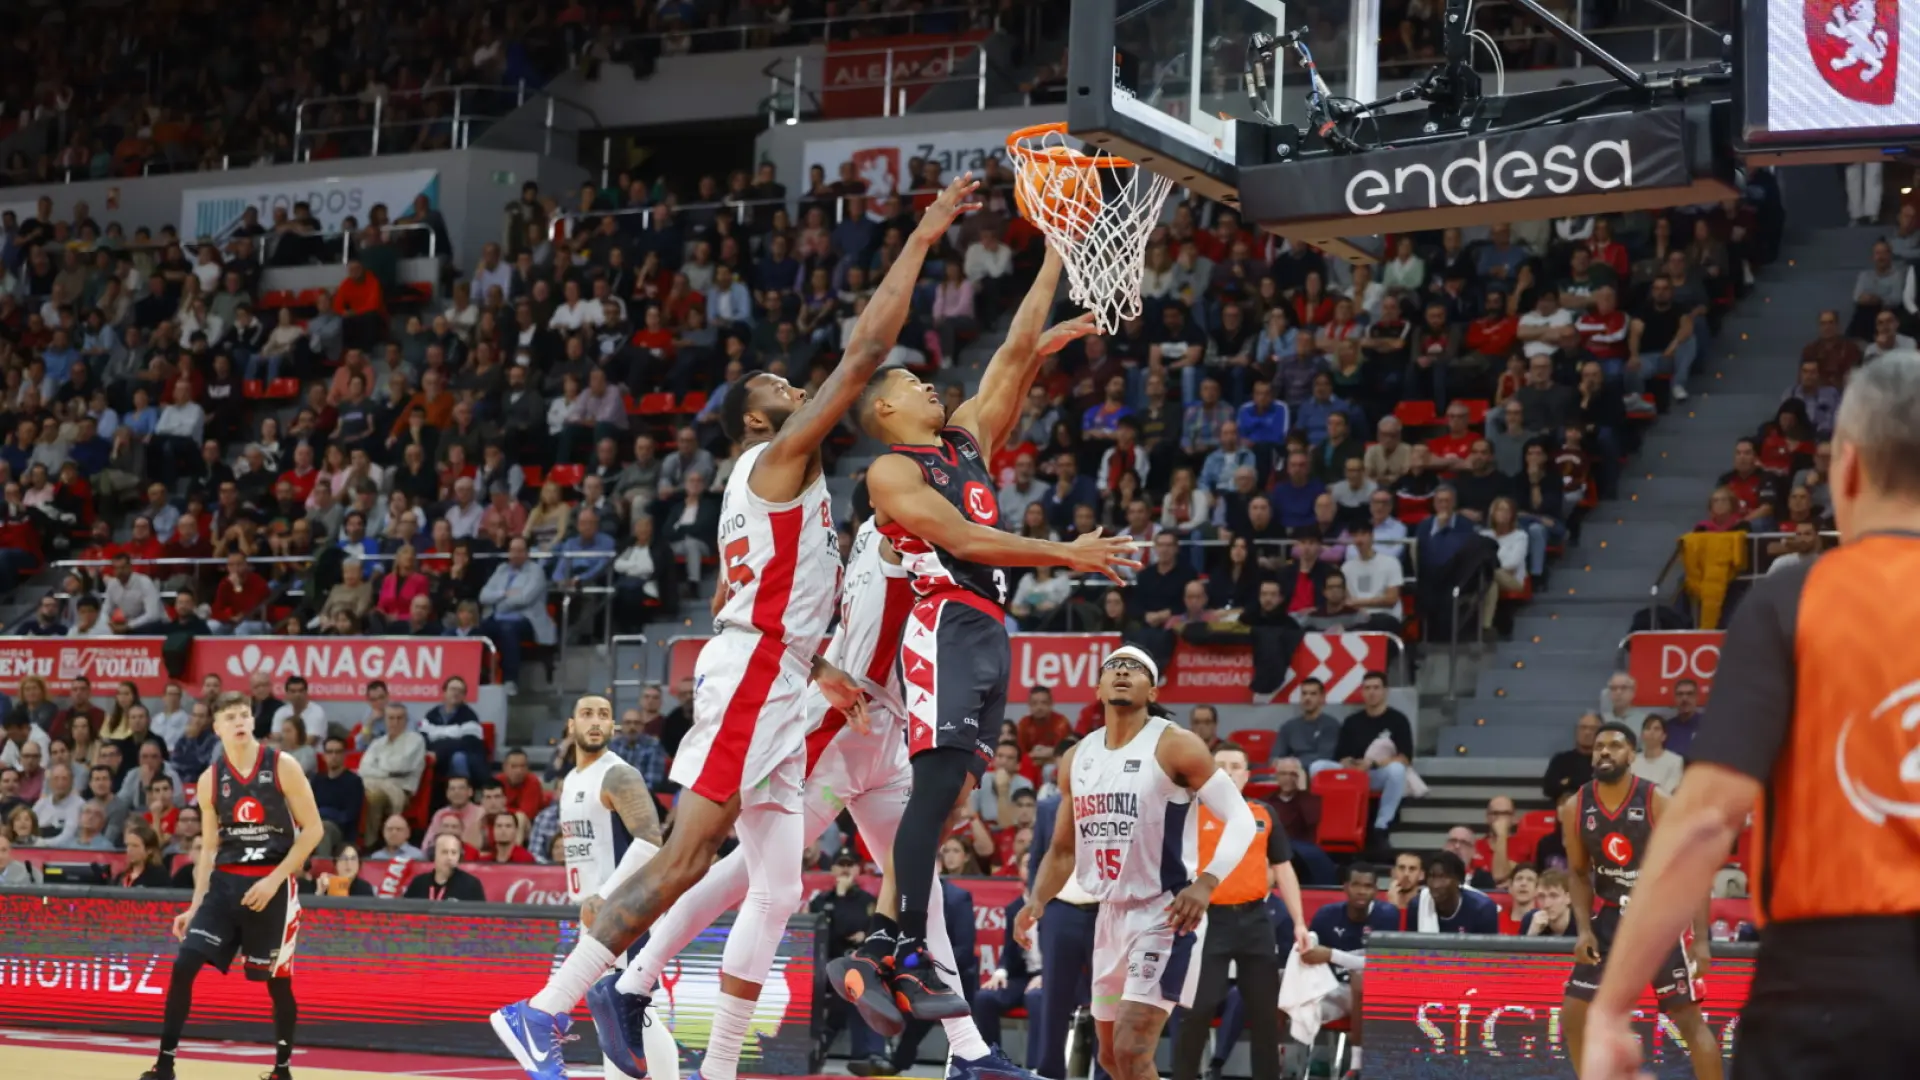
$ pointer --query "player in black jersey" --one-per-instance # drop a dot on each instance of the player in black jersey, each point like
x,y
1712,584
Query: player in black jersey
x,y
933,497
1606,826
259,825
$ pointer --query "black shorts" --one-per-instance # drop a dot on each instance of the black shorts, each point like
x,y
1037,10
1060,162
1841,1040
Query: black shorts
x,y
1832,999
955,661
1676,983
264,940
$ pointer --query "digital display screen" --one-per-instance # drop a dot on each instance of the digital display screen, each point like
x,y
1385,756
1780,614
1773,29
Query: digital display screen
x,y
1467,1014
370,974
1830,72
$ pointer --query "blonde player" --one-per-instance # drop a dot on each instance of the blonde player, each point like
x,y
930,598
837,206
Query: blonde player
x,y
859,768
1126,834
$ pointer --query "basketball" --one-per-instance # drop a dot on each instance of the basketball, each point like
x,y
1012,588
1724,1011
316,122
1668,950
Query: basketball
x,y
1059,180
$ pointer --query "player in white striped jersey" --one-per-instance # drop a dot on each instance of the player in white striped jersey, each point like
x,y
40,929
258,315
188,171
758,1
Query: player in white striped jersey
x,y
1127,836
743,763
861,770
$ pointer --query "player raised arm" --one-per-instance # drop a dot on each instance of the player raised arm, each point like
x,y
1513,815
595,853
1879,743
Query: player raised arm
x,y
306,815
1188,761
896,483
1056,865
1702,947
1003,387
785,462
202,859
1586,947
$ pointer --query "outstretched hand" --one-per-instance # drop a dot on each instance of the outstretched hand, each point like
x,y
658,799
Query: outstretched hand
x,y
1095,553
957,199
1060,336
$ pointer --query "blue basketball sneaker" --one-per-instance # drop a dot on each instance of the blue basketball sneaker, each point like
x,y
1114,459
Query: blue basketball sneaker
x,y
995,1066
533,1038
621,1020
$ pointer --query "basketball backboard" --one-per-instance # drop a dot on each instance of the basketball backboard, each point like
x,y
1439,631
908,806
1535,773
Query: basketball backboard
x,y
1162,82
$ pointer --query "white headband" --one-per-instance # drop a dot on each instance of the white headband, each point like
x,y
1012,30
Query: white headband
x,y
1134,652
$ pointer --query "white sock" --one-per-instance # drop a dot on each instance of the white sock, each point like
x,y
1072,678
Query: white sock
x,y
963,1039
588,961
727,1036
1353,1057
641,977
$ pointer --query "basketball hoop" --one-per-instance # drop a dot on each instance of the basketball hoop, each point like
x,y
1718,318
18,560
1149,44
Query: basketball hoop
x,y
1096,209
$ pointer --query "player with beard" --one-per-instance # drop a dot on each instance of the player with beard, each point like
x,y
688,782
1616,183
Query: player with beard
x,y
742,766
1606,827
1126,835
259,826
933,497
611,826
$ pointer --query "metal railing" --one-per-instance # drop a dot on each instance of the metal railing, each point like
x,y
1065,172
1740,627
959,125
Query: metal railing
x,y
465,102
894,98
1755,549
822,29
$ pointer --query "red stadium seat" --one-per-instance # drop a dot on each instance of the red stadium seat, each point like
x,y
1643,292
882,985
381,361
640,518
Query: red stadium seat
x,y
1535,826
1344,800
283,389
1476,410
253,389
693,402
353,759
416,812
1415,413
531,475
1256,742
1261,789
656,404
567,476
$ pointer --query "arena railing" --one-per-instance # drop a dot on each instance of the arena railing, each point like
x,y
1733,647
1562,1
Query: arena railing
x,y
561,225
465,103
763,33
792,89
1672,573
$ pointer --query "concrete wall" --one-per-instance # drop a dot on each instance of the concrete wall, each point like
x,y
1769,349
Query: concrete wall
x,y
475,187
688,89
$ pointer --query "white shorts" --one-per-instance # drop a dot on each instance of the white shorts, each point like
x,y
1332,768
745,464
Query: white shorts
x,y
749,722
844,765
1137,957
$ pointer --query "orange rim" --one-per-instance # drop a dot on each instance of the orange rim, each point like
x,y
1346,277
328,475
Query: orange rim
x,y
1076,157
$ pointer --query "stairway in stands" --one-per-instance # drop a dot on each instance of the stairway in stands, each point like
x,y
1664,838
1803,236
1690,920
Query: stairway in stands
x,y
1530,690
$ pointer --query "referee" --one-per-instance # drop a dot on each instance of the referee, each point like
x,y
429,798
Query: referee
x,y
1812,730
1239,934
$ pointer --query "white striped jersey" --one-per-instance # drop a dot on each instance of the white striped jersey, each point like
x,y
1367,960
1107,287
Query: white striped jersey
x,y
1134,838
595,837
782,561
874,602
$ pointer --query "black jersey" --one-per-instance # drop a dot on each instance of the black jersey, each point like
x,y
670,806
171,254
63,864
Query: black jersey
x,y
1616,841
256,825
958,471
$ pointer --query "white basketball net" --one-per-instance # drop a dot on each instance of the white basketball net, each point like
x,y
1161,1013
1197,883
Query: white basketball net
x,y
1104,251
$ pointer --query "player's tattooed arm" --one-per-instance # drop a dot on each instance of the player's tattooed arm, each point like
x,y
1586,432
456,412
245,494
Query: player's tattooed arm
x,y
627,795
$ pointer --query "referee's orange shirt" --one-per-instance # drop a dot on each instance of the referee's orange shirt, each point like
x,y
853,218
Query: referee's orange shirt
x,y
1817,690
1248,882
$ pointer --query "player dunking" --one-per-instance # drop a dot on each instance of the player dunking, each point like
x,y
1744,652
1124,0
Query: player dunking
x,y
1127,837
259,826
933,497
1606,827
744,759
859,769
611,827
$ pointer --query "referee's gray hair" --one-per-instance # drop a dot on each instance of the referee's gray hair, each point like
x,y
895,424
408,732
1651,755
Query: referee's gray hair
x,y
1880,415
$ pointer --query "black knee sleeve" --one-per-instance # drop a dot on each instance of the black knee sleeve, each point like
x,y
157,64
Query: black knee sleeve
x,y
939,775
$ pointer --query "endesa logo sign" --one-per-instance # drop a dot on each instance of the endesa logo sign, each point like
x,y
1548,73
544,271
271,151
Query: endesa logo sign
x,y
1658,659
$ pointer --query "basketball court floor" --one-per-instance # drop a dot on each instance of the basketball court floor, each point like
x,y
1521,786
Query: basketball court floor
x,y
73,1055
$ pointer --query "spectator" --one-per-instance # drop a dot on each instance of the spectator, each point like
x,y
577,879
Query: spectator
x,y
398,589
1834,352
1376,720
339,794
198,744
1685,721
1569,769
1887,338
361,304
464,817
1041,726
143,867
1880,286
344,879
89,831
1656,764
1616,704
1822,400
1217,472
992,801
692,520
1553,917
23,829
503,841
1661,341
20,734
639,749
293,743
1373,576
1445,906
153,767
526,796
133,596
1523,891
395,845
454,734
516,599
1293,495
1444,534
688,457
1160,588
11,872
448,881
1501,852
1313,735
312,717
1297,812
